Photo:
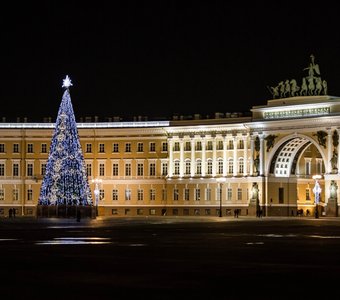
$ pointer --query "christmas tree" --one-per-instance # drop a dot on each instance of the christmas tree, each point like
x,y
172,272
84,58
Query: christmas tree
x,y
65,181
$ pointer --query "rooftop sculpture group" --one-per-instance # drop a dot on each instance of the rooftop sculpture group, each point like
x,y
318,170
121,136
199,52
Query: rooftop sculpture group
x,y
312,85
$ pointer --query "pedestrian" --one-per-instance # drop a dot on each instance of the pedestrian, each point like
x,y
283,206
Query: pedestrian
x,y
13,211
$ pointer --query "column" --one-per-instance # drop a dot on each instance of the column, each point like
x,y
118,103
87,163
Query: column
x,y
261,155
245,156
214,157
235,171
193,162
203,156
329,150
181,157
251,163
225,163
171,157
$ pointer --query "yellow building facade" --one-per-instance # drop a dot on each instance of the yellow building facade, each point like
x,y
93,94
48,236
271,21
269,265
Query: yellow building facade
x,y
208,167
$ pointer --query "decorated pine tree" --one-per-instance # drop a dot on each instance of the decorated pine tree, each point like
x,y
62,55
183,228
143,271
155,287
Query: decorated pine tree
x,y
65,181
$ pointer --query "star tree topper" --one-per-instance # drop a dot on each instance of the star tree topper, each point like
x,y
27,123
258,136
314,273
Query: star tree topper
x,y
67,82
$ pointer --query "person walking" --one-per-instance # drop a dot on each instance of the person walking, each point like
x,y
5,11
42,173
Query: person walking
x,y
13,211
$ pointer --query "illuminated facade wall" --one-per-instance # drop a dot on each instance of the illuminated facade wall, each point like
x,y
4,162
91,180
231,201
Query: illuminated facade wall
x,y
188,167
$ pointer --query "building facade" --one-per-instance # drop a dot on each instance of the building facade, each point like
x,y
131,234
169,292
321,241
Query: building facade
x,y
208,167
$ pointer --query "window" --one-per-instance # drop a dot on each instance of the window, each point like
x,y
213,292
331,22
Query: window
x,y
140,147
15,194
220,145
15,169
152,169
29,194
197,194
2,194
114,211
231,145
207,212
152,194
239,194
176,168
101,194
198,167
140,211
176,194
230,194
186,194
115,169
164,169
218,193
88,170
199,146
209,167
15,148
115,148
2,169
230,166
127,194
128,147
307,194
164,147
140,169
29,171
175,211
152,147
101,169
152,211
128,169
2,148
176,146
220,166
241,144
209,146
43,148
140,195
88,148
187,167
208,194
114,195
187,146
240,166
101,148
29,148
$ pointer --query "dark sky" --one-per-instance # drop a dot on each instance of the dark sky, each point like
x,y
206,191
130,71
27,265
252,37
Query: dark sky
x,y
159,58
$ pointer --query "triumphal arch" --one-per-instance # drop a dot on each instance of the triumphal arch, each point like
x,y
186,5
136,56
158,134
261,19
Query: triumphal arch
x,y
297,133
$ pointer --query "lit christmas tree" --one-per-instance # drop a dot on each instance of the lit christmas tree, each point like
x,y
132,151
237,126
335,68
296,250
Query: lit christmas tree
x,y
65,181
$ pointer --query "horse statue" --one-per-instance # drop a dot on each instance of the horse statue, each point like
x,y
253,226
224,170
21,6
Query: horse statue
x,y
304,87
294,88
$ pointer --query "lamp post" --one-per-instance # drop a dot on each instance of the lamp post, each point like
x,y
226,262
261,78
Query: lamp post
x,y
96,181
220,181
317,192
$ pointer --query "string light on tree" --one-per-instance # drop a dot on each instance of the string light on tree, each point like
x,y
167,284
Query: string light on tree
x,y
65,181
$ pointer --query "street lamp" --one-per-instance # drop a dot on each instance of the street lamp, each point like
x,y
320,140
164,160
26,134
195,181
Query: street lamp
x,y
96,181
220,181
317,192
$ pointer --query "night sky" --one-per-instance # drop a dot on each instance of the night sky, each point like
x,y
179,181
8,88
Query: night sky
x,y
160,58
